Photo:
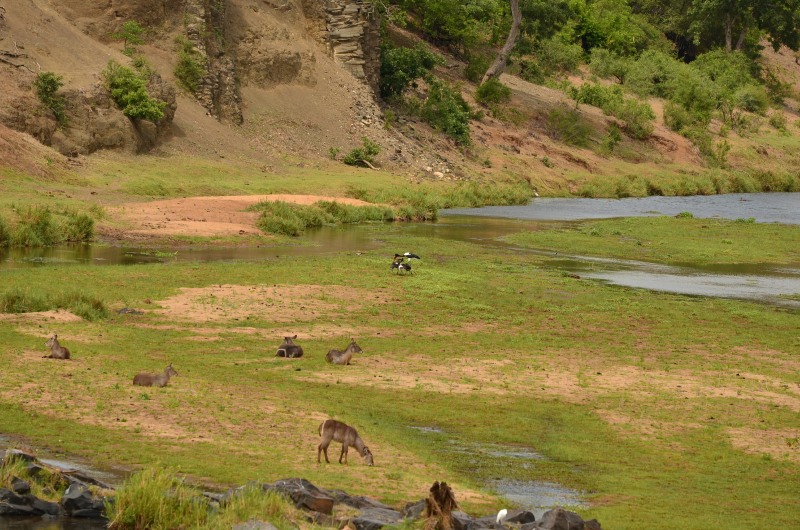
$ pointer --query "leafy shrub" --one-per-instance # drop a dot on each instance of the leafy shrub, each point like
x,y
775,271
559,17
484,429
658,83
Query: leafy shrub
x,y
446,110
752,98
696,93
554,55
728,70
777,119
602,97
606,64
190,69
47,84
638,117
653,74
401,67
531,71
568,125
678,118
493,91
363,156
79,228
131,34
129,92
477,64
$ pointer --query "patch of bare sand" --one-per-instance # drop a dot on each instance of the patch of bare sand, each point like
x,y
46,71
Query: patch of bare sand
x,y
781,444
57,315
275,303
205,216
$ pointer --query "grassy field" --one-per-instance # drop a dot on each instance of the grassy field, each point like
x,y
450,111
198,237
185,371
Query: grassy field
x,y
662,409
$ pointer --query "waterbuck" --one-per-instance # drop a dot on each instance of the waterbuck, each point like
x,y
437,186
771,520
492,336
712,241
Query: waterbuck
x,y
57,351
289,349
343,357
339,432
159,380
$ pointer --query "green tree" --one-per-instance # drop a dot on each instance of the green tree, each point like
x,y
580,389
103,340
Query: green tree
x,y
131,34
129,92
47,84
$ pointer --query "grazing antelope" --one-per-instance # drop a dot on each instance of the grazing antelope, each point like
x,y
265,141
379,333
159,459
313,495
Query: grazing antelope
x,y
57,351
339,432
289,349
343,357
159,380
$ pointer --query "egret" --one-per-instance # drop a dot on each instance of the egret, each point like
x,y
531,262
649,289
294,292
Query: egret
x,y
501,515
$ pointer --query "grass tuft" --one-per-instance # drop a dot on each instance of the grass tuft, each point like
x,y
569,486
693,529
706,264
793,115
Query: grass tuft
x,y
18,300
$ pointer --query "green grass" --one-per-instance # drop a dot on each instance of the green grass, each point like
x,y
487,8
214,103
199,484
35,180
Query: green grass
x,y
616,387
28,300
48,484
673,240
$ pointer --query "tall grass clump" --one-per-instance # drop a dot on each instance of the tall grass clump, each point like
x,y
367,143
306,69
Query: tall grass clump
x,y
5,234
47,484
18,300
278,217
156,498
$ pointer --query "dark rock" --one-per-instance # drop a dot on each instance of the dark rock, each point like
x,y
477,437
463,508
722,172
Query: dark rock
x,y
356,501
16,509
42,507
460,520
304,494
560,519
81,478
9,497
79,502
592,524
484,523
19,486
520,517
375,518
413,510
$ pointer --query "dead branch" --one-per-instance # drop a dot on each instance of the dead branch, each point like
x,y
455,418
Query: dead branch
x,y
439,507
369,165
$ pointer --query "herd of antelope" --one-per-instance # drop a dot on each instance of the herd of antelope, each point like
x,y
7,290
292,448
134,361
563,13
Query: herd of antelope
x,y
329,430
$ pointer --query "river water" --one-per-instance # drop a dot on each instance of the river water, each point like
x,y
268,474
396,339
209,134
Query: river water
x,y
758,282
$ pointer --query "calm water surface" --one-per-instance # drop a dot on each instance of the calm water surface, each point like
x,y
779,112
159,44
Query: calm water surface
x,y
764,283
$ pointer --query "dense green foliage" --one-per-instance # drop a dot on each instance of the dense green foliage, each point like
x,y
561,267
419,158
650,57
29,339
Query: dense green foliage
x,y
190,69
47,84
700,55
129,91
401,67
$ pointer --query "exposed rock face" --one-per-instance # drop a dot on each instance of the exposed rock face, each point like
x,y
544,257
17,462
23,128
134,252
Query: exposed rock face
x,y
353,37
101,19
218,91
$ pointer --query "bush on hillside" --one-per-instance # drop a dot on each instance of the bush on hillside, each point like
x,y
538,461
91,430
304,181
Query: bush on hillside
x,y
129,92
190,69
444,109
752,98
401,67
493,92
47,84
363,156
606,64
567,124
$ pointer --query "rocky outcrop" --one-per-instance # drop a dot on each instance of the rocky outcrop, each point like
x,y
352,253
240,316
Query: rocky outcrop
x,y
353,37
218,90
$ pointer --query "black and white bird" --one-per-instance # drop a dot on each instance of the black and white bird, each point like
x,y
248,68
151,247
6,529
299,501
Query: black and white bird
x,y
400,266
408,255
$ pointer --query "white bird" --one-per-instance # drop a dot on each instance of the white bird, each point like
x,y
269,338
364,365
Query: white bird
x,y
501,515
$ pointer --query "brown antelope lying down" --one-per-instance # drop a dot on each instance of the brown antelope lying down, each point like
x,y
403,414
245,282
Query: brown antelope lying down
x,y
343,357
289,348
339,432
159,380
57,351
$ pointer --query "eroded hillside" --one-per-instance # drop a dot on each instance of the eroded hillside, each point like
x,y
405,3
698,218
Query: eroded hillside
x,y
290,82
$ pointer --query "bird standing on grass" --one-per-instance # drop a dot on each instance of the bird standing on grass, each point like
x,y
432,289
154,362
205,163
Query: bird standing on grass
x,y
400,264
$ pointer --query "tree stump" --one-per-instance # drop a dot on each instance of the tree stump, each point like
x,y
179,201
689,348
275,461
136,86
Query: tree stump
x,y
439,507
